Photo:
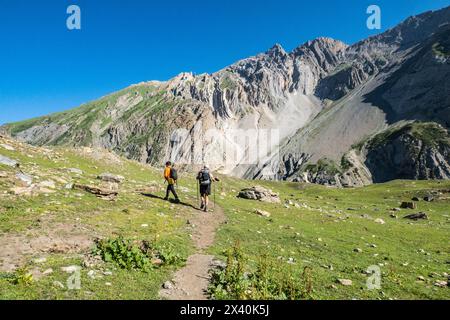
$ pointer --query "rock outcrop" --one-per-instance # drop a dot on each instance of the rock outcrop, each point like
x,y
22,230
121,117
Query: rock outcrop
x,y
259,193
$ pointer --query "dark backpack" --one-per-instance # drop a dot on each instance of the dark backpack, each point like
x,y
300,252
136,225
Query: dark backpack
x,y
173,174
204,178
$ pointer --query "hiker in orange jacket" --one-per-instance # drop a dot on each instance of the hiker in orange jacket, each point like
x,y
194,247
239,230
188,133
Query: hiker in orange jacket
x,y
171,181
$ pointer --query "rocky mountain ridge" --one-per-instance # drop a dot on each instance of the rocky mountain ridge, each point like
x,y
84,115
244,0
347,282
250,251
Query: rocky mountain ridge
x,y
322,98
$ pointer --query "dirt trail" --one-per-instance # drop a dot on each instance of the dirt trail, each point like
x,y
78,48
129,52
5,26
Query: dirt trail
x,y
191,282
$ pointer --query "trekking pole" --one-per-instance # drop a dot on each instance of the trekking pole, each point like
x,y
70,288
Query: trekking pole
x,y
198,187
214,207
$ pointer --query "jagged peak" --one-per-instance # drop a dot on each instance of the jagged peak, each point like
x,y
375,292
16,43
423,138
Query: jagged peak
x,y
276,49
322,43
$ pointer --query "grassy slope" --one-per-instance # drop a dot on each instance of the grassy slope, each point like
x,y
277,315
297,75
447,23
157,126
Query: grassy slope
x,y
83,117
123,217
319,236
289,233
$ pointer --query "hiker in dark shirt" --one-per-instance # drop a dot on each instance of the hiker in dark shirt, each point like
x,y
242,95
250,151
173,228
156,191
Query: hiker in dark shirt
x,y
205,179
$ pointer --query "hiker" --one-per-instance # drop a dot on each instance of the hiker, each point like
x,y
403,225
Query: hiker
x,y
170,175
205,179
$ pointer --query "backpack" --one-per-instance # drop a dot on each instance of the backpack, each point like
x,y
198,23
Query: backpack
x,y
173,174
204,178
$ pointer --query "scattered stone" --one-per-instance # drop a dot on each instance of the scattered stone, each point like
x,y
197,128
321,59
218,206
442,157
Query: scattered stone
x,y
420,278
47,272
263,213
380,221
219,264
108,177
91,274
359,250
168,285
75,171
157,261
259,193
396,209
58,284
109,284
408,205
47,184
3,174
101,193
373,245
144,225
8,162
415,199
416,216
394,216
25,178
69,186
23,191
428,198
441,283
40,260
70,269
7,147
107,273
345,282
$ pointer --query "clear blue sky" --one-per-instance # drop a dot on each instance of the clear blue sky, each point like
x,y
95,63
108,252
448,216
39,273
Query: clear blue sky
x,y
44,67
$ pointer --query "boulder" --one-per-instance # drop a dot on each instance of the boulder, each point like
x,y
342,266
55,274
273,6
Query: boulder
x,y
260,194
8,162
416,216
99,192
108,177
408,205
263,213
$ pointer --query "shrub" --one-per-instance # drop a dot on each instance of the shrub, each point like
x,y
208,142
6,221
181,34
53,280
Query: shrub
x,y
20,277
271,280
131,255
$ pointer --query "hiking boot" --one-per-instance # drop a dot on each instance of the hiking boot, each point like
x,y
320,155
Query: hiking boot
x,y
206,208
166,199
177,200
202,206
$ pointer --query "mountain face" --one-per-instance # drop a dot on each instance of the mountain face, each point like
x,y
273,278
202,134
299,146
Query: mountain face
x,y
323,99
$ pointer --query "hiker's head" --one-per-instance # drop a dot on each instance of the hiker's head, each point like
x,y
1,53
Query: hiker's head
x,y
205,167
168,164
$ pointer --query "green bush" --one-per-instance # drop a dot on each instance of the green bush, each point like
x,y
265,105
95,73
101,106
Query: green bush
x,y
269,281
19,277
131,255
123,253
